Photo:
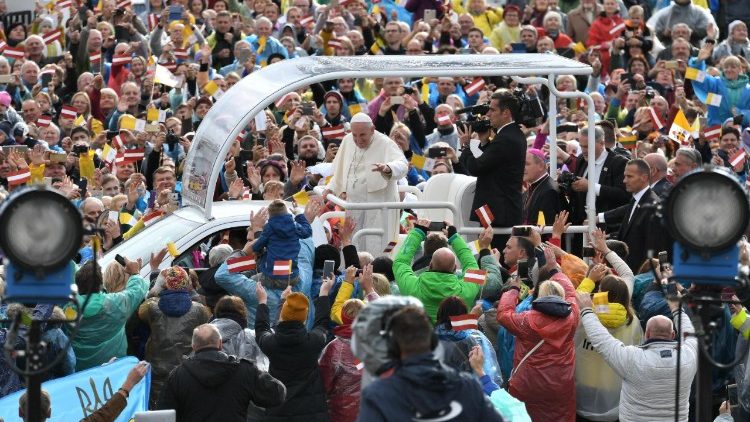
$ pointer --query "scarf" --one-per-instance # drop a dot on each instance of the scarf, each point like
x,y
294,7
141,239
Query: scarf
x,y
175,303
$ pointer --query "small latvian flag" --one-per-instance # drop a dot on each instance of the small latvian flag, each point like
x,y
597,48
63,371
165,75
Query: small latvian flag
x,y
282,268
152,217
474,87
14,53
713,132
444,120
617,28
122,59
485,215
738,160
359,365
464,322
133,155
307,20
95,57
123,4
52,36
181,54
333,132
241,135
68,112
64,3
335,43
241,264
117,142
389,247
153,20
475,276
655,117
44,120
284,98
3,46
19,177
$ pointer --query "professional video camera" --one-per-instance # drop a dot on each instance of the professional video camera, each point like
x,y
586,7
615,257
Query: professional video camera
x,y
530,110
480,126
565,179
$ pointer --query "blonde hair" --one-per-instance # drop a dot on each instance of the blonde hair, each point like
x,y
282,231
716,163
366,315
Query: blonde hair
x,y
381,285
115,278
118,201
352,307
85,96
551,288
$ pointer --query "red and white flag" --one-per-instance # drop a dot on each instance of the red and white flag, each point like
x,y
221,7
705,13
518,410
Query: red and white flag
x,y
307,20
19,177
738,159
474,86
69,112
44,120
485,215
390,246
475,276
333,132
153,20
122,59
123,4
95,57
132,155
241,135
284,98
335,43
14,53
359,365
181,54
52,36
64,3
118,143
713,132
444,120
3,45
655,117
241,264
152,217
617,28
282,268
464,322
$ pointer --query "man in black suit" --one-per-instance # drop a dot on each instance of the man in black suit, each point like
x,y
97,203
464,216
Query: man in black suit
x,y
659,183
541,194
609,169
635,218
499,165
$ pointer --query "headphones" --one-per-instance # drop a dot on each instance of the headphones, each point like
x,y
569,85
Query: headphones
x,y
393,351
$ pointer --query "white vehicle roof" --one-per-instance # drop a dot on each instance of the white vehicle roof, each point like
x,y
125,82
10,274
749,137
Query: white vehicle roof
x,y
238,106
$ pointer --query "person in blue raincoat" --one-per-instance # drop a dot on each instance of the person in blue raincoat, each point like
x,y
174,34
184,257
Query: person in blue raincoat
x,y
726,95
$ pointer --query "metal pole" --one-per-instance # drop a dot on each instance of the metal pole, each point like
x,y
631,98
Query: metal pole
x,y
552,138
34,382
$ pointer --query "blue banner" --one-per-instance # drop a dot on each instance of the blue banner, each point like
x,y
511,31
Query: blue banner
x,y
79,395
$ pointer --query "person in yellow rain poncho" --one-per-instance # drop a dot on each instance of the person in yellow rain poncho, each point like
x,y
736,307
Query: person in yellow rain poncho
x,y
597,385
485,17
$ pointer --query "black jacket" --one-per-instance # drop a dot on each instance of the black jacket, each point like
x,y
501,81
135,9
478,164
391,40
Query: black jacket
x,y
293,354
662,189
214,386
542,196
421,388
499,173
612,193
640,233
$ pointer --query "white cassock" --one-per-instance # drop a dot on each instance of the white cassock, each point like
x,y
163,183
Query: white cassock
x,y
352,173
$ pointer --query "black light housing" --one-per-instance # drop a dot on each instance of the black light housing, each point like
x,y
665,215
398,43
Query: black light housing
x,y
40,230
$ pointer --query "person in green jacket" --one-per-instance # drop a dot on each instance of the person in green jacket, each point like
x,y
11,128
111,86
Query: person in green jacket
x,y
101,335
440,281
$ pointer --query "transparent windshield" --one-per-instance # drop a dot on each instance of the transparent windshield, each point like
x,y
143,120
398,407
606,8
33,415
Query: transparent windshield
x,y
169,229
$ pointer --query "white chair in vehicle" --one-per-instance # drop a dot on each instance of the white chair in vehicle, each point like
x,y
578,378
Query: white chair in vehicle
x,y
444,188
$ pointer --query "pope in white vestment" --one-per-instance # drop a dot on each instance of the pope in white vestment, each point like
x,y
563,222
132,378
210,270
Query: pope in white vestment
x,y
367,168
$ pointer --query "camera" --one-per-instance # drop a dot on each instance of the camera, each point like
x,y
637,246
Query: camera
x,y
650,93
80,149
408,90
172,139
565,179
480,126
480,109
530,110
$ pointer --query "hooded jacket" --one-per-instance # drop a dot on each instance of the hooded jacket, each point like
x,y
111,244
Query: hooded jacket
x,y
293,353
422,388
342,376
280,237
240,342
546,380
214,386
431,287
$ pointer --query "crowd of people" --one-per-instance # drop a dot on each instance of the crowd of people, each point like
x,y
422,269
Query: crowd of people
x,y
102,99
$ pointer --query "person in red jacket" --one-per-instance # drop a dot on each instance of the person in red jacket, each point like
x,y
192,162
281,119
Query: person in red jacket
x,y
605,28
341,373
543,375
